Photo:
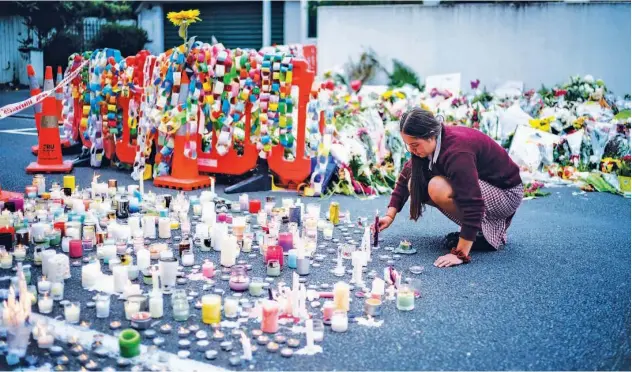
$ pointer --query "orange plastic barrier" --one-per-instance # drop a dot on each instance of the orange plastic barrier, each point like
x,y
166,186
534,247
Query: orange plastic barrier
x,y
231,163
49,159
296,171
6,195
309,52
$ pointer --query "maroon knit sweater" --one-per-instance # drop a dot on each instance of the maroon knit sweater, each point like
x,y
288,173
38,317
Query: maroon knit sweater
x,y
466,155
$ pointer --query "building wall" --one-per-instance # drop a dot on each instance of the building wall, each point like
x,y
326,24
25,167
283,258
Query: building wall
x,y
152,19
533,43
12,61
292,23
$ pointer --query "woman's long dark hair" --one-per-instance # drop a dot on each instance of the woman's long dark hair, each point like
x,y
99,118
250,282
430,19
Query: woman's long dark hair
x,y
419,123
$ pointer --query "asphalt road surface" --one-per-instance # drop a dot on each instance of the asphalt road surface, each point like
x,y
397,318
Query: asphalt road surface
x,y
557,297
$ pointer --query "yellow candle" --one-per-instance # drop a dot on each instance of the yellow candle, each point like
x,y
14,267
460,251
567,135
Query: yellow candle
x,y
174,225
69,182
211,309
341,296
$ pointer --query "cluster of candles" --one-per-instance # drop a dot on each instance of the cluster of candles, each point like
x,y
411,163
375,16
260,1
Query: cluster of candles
x,y
111,226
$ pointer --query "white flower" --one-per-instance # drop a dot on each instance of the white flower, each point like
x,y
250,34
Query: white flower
x,y
589,79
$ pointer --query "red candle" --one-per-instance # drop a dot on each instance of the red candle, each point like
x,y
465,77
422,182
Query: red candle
x,y
8,229
274,252
328,310
254,206
61,225
270,317
221,217
75,248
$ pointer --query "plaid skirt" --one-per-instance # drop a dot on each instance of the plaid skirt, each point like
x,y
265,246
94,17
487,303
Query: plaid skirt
x,y
500,207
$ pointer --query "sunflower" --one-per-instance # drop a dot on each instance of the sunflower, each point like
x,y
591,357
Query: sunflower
x,y
184,17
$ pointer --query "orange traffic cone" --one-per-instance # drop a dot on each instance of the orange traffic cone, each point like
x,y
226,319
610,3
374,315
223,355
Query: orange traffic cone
x,y
35,90
48,85
49,159
184,170
59,96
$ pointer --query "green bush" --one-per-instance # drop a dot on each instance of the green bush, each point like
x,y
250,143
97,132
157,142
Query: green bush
x,y
128,39
59,48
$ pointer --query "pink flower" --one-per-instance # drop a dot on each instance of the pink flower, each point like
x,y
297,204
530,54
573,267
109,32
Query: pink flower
x,y
474,83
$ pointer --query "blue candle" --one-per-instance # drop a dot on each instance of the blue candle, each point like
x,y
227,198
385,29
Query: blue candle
x,y
291,259
134,206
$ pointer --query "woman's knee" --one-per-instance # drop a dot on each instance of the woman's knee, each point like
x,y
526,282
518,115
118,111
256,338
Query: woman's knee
x,y
439,189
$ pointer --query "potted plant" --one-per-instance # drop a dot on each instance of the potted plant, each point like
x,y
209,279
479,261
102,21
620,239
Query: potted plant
x,y
623,173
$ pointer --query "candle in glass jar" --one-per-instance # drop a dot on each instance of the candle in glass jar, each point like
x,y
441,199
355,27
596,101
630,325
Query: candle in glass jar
x,y
254,206
211,309
285,241
120,278
243,202
43,285
44,339
131,308
103,305
57,291
274,253
45,304
156,305
405,299
239,226
231,307
143,259
188,259
164,228
270,317
341,296
208,269
72,312
339,321
328,231
75,248
19,253
6,260
328,310
255,288
149,227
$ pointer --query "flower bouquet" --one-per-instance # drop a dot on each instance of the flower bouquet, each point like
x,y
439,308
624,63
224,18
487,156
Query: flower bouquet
x,y
534,190
624,173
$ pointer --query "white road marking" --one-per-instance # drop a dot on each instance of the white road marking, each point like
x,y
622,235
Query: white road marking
x,y
24,131
86,336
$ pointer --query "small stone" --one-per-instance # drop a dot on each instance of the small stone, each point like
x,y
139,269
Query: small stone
x,y
335,240
202,344
319,259
349,271
210,354
63,303
269,279
263,339
91,304
280,339
286,352
226,345
196,267
165,328
312,286
389,248
158,341
218,336
108,369
184,344
331,250
272,347
123,362
150,333
183,354
293,342
252,255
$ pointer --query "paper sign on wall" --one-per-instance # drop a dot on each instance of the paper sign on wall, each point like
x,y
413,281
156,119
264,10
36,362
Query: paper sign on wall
x,y
450,82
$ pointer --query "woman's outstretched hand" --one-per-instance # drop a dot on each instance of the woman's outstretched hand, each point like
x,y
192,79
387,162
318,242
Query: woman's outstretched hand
x,y
448,260
383,223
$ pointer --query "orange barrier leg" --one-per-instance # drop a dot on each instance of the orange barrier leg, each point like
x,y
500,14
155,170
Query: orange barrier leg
x,y
184,171
231,163
125,150
49,159
296,171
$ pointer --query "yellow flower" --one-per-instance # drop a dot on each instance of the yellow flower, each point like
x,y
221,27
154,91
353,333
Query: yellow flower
x,y
184,17
579,123
543,124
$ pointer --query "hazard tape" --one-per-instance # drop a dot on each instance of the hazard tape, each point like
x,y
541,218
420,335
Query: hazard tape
x,y
14,108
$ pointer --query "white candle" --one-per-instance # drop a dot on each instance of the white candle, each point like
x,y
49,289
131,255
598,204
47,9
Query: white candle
x,y
213,186
246,346
43,285
89,275
230,251
131,308
357,260
188,259
149,227
57,291
47,255
208,213
45,304
309,333
220,231
201,231
339,321
156,307
164,228
103,306
377,288
143,259
109,252
230,307
72,312
6,261
243,202
120,278
44,339
134,223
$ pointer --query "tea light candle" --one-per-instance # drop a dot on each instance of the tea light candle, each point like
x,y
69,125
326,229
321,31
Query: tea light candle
x,y
72,312
270,317
339,321
45,304
211,309
231,307
69,182
164,228
44,339
341,296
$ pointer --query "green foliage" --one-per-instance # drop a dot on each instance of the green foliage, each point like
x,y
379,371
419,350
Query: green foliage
x,y
128,39
403,75
58,49
366,67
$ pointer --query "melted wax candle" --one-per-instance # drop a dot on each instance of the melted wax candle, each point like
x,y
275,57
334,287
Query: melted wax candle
x,y
270,317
